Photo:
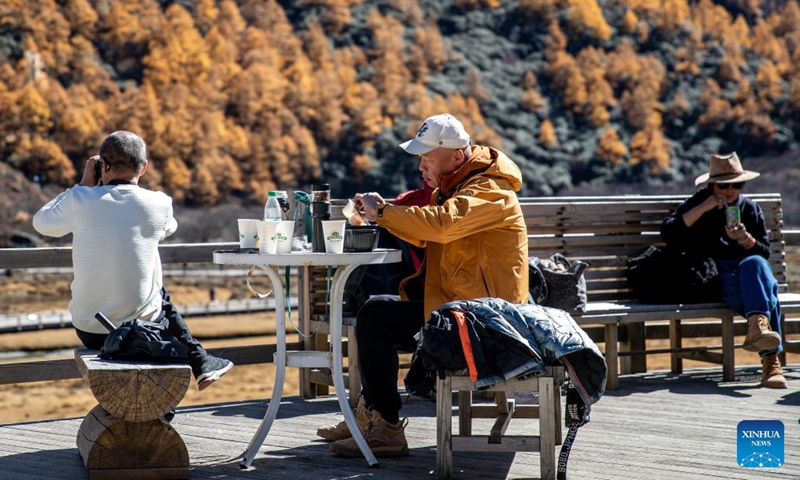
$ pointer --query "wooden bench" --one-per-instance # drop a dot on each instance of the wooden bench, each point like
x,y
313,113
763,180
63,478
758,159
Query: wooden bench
x,y
126,437
607,231
548,412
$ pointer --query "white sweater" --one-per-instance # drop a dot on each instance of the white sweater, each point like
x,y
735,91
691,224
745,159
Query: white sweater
x,y
116,230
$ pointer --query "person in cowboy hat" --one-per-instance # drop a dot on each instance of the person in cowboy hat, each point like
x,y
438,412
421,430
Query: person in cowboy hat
x,y
709,224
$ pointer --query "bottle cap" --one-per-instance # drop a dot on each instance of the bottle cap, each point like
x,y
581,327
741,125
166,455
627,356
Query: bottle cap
x,y
272,193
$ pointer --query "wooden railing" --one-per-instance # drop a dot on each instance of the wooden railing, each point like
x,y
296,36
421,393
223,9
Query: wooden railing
x,y
39,370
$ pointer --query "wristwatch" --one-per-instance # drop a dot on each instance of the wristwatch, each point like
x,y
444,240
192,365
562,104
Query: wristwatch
x,y
379,211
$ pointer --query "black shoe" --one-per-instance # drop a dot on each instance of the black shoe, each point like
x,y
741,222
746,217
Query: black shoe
x,y
212,369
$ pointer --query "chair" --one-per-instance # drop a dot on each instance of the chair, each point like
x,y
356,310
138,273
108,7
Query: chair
x,y
548,385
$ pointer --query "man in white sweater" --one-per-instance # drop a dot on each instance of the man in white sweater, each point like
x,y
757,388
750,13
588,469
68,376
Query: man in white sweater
x,y
116,228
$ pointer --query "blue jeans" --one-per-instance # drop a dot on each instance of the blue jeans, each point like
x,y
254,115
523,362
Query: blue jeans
x,y
748,287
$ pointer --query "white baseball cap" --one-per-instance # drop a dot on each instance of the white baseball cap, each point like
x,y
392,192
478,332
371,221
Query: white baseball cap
x,y
438,131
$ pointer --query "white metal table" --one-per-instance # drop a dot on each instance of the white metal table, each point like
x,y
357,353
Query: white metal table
x,y
344,263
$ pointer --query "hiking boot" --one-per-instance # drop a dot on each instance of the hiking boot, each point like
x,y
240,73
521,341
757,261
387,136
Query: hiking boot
x,y
384,439
211,370
759,336
341,431
771,373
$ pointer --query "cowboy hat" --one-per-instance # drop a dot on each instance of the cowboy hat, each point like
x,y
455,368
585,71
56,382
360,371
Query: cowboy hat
x,y
725,169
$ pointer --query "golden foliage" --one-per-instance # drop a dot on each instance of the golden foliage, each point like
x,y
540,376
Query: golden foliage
x,y
768,82
600,95
429,40
718,112
757,124
794,94
32,112
610,148
711,19
673,15
360,165
644,8
556,40
547,134
768,46
730,67
650,147
474,85
176,178
40,156
587,16
629,21
738,34
233,99
678,106
531,100
538,8
478,4
203,191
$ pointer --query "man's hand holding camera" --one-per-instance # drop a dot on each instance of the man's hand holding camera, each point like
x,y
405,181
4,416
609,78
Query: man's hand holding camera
x,y
92,172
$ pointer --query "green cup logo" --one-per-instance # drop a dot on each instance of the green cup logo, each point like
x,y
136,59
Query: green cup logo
x,y
279,237
335,236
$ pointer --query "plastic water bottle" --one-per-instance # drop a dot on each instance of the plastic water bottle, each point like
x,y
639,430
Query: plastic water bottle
x,y
272,210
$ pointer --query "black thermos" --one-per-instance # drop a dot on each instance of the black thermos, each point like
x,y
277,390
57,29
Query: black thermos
x,y
320,210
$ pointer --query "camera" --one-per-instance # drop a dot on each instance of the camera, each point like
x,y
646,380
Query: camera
x,y
98,168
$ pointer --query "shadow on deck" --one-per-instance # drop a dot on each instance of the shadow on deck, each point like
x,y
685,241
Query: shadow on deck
x,y
656,426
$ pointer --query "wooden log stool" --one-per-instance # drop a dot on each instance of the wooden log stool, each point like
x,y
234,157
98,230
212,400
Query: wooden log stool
x,y
126,436
548,411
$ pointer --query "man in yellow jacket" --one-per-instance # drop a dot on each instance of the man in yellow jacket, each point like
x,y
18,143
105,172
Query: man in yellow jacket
x,y
476,246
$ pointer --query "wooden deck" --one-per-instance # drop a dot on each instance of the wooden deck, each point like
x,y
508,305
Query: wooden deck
x,y
655,426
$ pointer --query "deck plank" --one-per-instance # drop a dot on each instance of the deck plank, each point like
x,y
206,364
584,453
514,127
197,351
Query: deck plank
x,y
656,426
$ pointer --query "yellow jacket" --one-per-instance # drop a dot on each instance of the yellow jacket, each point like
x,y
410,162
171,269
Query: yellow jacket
x,y
473,230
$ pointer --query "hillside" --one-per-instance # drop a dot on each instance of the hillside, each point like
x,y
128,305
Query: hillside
x,y
236,97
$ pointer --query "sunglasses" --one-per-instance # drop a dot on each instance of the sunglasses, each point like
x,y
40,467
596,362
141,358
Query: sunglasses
x,y
735,186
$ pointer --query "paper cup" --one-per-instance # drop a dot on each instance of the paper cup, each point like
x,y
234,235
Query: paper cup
x,y
282,237
266,232
248,232
333,232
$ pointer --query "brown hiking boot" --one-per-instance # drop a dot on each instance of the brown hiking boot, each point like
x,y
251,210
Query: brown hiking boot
x,y
341,431
759,336
384,439
771,373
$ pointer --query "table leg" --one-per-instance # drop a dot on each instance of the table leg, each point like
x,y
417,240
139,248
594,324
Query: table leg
x,y
280,370
337,297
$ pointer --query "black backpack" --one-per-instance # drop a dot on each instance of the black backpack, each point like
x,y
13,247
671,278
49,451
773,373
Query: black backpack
x,y
136,340
664,275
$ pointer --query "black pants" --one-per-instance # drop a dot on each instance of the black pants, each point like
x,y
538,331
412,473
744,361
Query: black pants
x,y
176,326
384,327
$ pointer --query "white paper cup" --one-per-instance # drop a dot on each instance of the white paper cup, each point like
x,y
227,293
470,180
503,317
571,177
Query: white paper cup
x,y
248,232
266,231
351,214
333,231
282,237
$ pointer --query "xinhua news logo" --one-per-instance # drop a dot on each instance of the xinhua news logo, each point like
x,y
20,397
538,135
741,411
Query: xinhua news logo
x,y
760,444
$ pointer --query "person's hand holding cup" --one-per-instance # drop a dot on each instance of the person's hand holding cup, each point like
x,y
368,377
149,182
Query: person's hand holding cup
x,y
369,203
